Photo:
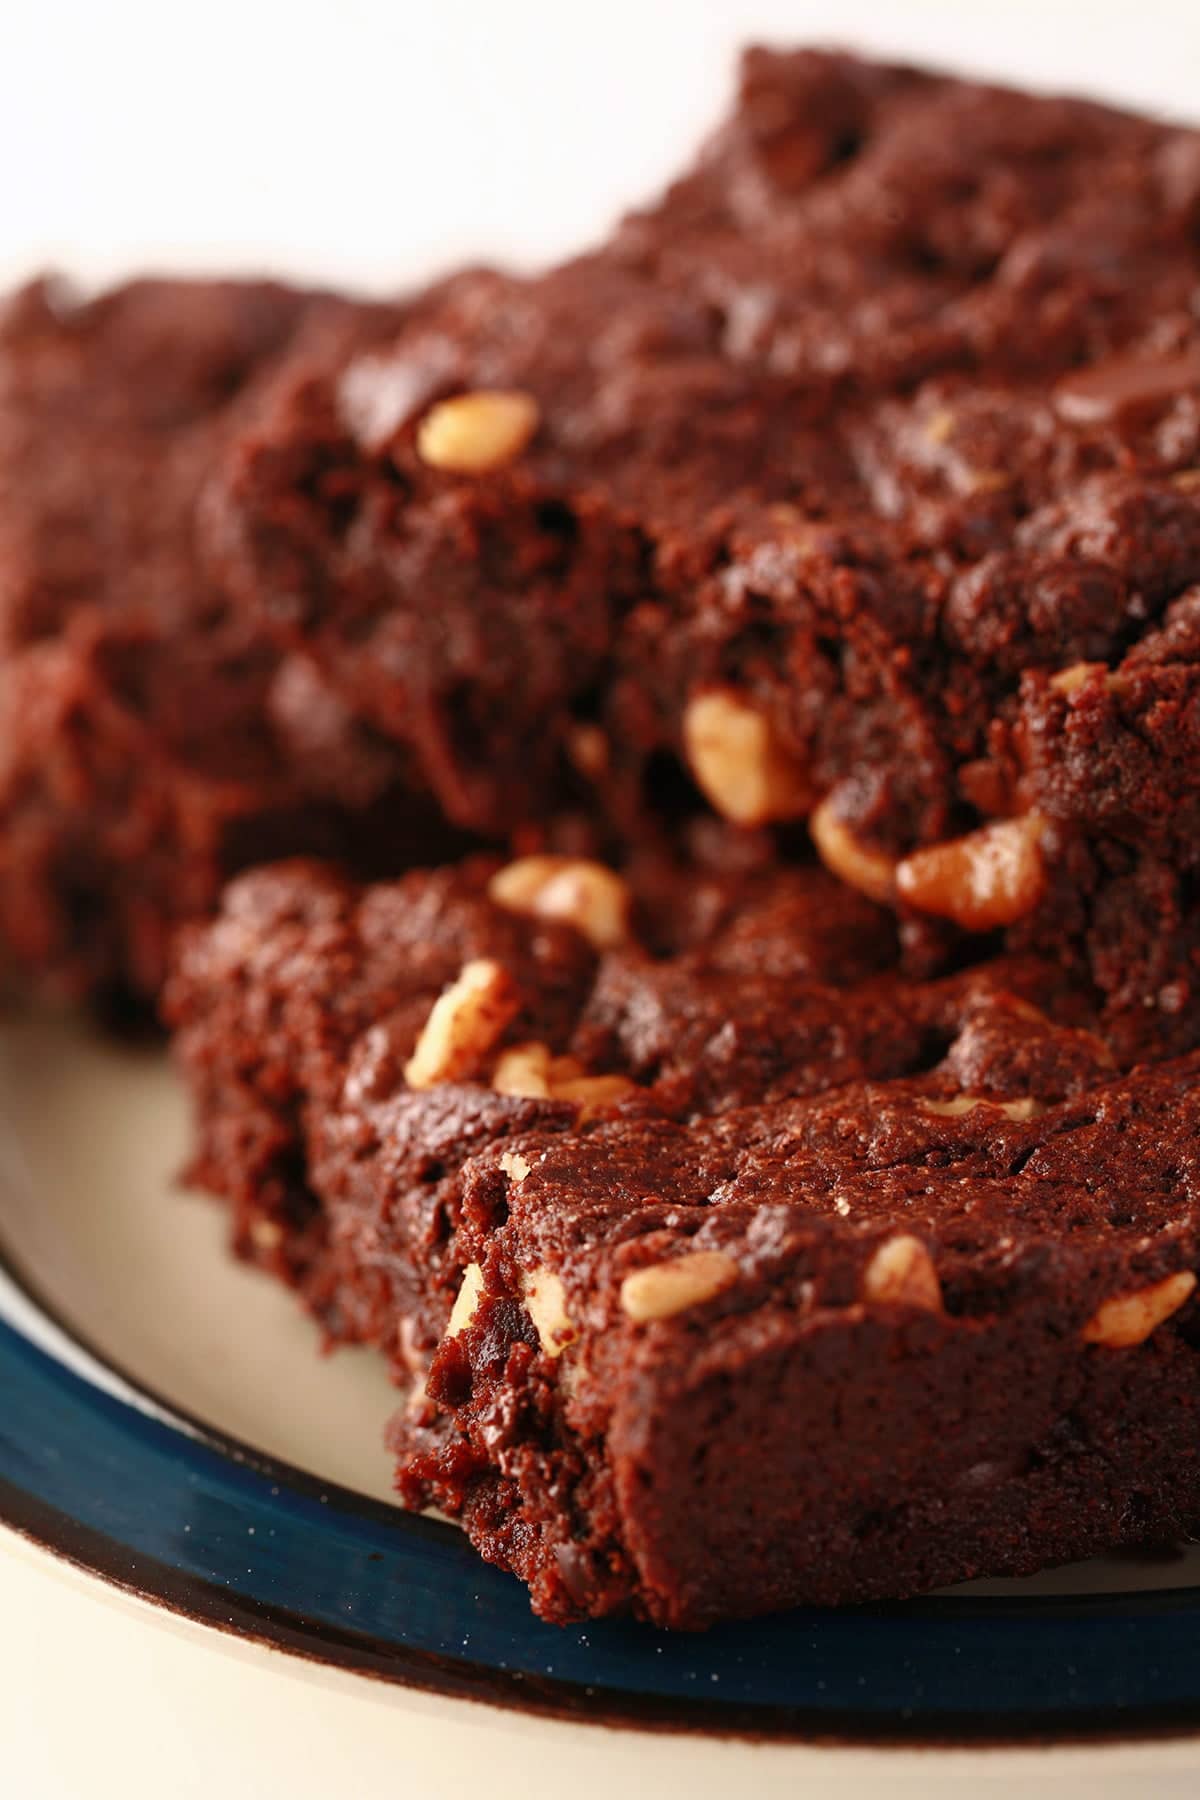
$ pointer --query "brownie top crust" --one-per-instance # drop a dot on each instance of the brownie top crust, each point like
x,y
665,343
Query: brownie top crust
x,y
756,1232
690,1215
854,483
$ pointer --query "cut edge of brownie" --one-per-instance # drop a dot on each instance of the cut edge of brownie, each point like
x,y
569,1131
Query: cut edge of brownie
x,y
490,1141
711,1407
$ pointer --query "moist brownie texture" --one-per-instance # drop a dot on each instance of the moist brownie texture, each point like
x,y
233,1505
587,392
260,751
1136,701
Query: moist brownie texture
x,y
855,482
297,1011
151,739
770,1164
735,1267
837,1348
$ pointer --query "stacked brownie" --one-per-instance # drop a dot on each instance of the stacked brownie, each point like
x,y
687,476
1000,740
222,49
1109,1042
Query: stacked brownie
x,y
767,1152
856,484
152,739
745,1272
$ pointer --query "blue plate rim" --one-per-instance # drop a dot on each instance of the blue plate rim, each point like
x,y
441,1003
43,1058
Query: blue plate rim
x,y
250,1613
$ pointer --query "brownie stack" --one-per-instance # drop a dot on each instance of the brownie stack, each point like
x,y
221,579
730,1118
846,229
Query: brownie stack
x,y
765,1145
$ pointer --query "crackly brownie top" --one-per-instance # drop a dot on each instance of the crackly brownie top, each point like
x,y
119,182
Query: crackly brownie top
x,y
338,956
699,990
1018,1170
488,986
490,1069
473,990
972,1201
901,379
493,1070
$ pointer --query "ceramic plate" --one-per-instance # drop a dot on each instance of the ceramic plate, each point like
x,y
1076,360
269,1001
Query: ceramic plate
x,y
169,1423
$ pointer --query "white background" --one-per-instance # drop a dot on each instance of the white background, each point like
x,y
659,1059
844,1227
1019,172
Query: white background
x,y
364,143
363,140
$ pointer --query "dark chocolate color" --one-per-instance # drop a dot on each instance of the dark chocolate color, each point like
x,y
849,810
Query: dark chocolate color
x,y
883,417
152,740
792,1437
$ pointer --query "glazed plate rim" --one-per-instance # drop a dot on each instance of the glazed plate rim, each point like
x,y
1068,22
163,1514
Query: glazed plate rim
x,y
120,1415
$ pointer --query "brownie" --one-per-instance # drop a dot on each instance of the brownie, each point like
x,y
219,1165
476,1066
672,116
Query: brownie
x,y
854,483
298,988
770,1163
683,1204
840,1348
108,409
152,738
295,1012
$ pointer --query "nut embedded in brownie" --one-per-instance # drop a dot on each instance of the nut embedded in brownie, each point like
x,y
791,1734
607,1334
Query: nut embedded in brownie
x,y
752,1231
816,492
840,1348
317,1023
625,1212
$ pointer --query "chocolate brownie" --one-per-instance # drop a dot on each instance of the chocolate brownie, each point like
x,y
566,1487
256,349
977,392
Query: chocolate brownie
x,y
839,1348
296,1011
871,1283
152,740
855,483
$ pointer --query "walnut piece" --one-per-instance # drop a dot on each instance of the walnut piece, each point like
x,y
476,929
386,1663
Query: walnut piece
x,y
532,1072
989,878
473,433
592,1094
407,1348
667,1288
570,889
1129,1319
515,1167
524,1072
587,747
987,481
463,1024
546,1303
1025,1108
901,1273
870,871
466,1300
1077,675
738,762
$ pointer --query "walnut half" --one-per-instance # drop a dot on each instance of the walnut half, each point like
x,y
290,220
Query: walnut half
x,y
901,1273
473,433
666,1288
1128,1319
463,1025
989,878
738,762
571,889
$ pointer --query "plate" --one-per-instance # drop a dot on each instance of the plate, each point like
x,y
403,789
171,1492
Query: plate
x,y
169,1424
